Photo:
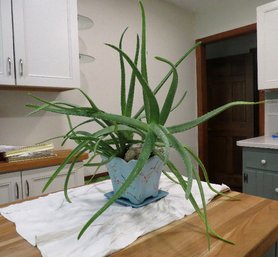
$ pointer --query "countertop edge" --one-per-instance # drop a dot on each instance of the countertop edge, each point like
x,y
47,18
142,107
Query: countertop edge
x,y
266,142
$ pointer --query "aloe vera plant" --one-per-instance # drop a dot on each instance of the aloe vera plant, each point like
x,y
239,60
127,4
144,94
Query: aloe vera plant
x,y
117,132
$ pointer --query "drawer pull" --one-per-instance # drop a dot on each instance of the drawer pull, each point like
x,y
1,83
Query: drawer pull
x,y
276,190
16,191
27,188
21,67
263,162
9,66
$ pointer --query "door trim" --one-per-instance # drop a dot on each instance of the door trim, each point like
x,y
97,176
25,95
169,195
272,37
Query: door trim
x,y
202,85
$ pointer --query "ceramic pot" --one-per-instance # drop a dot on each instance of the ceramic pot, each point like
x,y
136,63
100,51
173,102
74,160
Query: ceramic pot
x,y
146,183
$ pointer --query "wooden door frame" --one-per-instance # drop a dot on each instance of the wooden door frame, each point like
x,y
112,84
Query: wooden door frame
x,y
202,85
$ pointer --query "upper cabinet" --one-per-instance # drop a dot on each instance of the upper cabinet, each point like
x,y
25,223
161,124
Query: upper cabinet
x,y
7,75
39,43
267,33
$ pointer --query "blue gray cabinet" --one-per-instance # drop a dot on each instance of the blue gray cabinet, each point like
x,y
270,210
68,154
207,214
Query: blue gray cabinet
x,y
260,177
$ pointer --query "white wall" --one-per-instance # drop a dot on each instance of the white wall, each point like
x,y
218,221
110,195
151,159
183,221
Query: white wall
x,y
225,15
170,33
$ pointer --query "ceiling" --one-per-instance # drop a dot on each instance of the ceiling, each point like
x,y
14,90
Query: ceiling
x,y
199,6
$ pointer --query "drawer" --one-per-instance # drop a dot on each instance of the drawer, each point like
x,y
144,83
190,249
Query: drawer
x,y
260,158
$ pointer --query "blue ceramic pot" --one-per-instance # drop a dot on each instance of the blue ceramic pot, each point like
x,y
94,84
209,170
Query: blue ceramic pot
x,y
145,185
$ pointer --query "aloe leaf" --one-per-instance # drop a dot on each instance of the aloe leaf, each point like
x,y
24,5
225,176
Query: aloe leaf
x,y
207,116
144,71
99,163
161,135
146,151
42,107
66,137
186,159
161,84
130,98
103,162
89,100
203,217
123,82
184,185
93,141
166,109
97,145
64,163
87,112
151,101
204,171
143,43
53,103
111,129
179,102
66,183
201,190
70,124
37,108
103,132
169,177
93,175
50,139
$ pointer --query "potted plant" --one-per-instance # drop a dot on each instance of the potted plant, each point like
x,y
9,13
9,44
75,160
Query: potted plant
x,y
121,133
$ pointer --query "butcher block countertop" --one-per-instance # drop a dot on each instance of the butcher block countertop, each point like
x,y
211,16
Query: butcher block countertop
x,y
38,163
251,223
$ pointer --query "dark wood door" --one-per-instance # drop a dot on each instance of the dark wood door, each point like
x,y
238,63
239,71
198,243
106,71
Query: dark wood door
x,y
229,79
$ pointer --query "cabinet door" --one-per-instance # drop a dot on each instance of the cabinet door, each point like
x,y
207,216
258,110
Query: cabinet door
x,y
34,180
46,43
260,183
6,44
267,33
10,187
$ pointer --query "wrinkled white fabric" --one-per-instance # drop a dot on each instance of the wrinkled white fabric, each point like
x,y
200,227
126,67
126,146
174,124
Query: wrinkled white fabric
x,y
52,224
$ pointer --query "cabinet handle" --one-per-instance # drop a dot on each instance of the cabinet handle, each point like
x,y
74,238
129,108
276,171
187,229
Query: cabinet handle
x,y
276,190
27,188
9,66
245,178
263,162
21,67
16,191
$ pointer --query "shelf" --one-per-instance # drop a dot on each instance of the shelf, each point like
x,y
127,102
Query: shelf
x,y
84,58
84,22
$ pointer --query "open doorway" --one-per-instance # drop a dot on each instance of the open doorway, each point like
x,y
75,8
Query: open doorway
x,y
227,71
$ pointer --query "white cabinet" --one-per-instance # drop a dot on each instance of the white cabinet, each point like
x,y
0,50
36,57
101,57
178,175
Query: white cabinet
x,y
45,40
267,35
7,75
10,187
33,181
29,183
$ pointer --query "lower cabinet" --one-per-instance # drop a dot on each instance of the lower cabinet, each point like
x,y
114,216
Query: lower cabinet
x,y
260,177
10,187
29,183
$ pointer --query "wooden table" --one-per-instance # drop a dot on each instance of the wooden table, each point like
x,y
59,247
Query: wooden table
x,y
251,223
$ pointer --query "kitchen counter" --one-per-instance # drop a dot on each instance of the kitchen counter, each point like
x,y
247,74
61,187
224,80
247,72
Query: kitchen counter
x,y
251,223
260,142
60,156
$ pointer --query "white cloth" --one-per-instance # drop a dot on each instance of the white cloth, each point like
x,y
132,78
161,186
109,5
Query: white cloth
x,y
52,224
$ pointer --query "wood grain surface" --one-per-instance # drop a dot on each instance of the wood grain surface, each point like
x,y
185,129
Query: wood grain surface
x,y
251,223
38,163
